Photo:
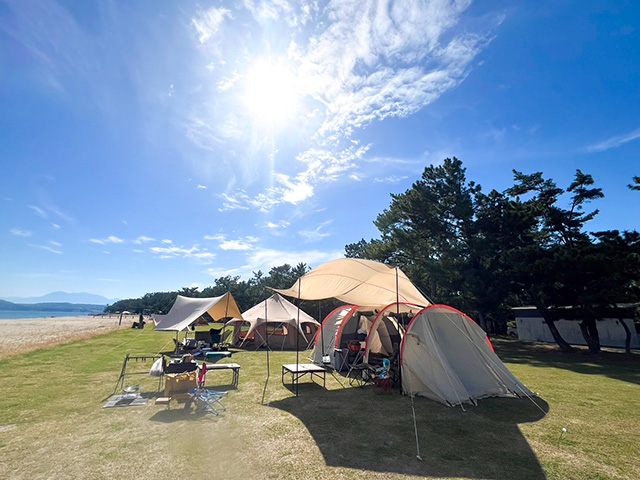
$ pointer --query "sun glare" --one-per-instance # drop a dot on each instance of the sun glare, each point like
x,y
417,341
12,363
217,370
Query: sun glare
x,y
270,94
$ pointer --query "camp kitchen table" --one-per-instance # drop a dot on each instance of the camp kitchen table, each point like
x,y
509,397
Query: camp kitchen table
x,y
298,370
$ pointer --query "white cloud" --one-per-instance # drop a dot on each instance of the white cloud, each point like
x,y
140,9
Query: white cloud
x,y
207,23
276,226
201,187
614,142
109,239
20,233
235,245
47,248
55,226
38,210
166,241
391,179
227,82
54,243
265,259
219,236
143,239
173,251
317,234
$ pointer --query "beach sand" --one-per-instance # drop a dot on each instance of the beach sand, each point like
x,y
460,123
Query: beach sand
x,y
25,335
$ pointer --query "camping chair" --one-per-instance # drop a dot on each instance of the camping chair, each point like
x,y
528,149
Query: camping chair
x,y
208,400
383,382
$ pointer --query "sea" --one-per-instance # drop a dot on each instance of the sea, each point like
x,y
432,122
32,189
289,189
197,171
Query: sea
x,y
13,314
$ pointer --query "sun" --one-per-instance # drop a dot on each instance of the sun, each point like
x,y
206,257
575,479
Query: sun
x,y
271,93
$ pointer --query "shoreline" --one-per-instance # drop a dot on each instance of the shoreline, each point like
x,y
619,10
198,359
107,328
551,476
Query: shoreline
x,y
23,335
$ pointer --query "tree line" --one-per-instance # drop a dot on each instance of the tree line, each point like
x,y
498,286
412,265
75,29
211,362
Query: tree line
x,y
485,253
246,293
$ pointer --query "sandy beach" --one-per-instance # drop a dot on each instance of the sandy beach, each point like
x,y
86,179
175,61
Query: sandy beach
x,y
25,335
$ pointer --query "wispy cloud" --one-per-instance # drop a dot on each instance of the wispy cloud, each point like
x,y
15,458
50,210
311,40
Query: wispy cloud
x,y
614,142
109,239
241,244
20,233
201,187
38,210
47,248
195,252
317,234
363,61
208,22
391,179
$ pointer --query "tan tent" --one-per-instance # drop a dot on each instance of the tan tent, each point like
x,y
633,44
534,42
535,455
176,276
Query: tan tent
x,y
186,311
279,318
357,282
447,357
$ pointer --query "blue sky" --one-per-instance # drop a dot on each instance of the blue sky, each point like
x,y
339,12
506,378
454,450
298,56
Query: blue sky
x,y
147,146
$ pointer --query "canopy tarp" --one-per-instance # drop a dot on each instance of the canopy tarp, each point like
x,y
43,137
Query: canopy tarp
x,y
276,310
358,282
186,311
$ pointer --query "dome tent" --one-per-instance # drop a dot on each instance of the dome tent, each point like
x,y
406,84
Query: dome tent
x,y
279,318
447,357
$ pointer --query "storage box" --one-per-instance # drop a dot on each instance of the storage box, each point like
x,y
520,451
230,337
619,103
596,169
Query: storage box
x,y
179,383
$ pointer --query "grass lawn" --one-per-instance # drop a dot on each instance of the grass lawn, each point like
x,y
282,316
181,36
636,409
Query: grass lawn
x,y
52,424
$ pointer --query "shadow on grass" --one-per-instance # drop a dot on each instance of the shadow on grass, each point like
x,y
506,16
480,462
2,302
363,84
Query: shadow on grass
x,y
355,428
612,364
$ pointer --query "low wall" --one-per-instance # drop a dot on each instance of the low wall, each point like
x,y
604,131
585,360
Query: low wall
x,y
612,334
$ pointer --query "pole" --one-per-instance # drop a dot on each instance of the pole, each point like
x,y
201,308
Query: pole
x,y
399,321
321,333
298,337
226,314
266,324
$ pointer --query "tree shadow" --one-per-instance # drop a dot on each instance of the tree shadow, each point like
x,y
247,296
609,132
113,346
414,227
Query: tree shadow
x,y
610,363
355,428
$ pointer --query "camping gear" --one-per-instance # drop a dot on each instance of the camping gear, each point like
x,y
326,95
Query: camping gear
x,y
447,357
187,312
179,383
274,323
208,400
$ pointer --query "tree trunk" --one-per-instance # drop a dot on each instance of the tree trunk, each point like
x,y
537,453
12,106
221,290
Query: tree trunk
x,y
627,341
590,334
562,343
483,323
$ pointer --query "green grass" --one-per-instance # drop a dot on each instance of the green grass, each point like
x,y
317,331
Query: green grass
x,y
52,424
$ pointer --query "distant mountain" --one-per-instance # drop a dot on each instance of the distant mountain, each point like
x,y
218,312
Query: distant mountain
x,y
64,297
51,307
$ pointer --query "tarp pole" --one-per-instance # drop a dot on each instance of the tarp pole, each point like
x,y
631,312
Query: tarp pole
x,y
403,326
226,313
298,337
321,333
266,326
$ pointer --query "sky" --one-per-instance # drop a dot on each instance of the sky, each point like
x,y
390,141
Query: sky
x,y
148,146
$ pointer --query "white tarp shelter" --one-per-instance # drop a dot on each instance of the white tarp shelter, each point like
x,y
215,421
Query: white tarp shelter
x,y
447,357
279,318
357,282
186,311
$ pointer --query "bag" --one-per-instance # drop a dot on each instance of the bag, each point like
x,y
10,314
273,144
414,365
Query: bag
x,y
156,368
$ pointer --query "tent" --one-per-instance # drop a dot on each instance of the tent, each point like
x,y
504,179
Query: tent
x,y
357,282
387,330
447,357
186,311
279,317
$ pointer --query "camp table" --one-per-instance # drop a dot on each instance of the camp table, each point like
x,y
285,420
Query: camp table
x,y
298,370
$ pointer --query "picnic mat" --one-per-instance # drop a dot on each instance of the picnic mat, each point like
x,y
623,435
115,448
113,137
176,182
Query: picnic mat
x,y
126,400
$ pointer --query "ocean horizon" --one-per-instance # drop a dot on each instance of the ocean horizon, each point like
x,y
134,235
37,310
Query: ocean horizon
x,y
15,314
